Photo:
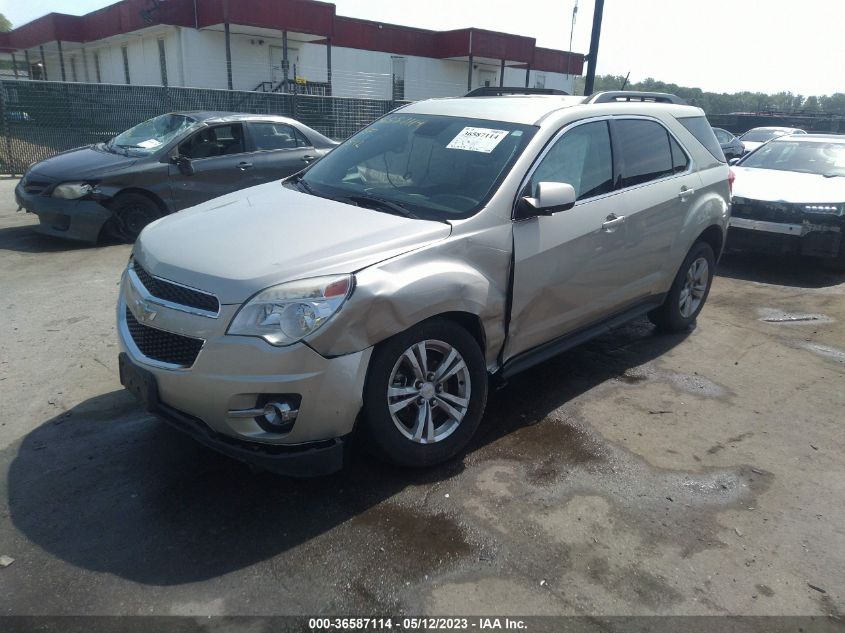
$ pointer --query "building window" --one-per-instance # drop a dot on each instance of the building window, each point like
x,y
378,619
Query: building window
x,y
539,81
162,60
97,66
125,53
73,76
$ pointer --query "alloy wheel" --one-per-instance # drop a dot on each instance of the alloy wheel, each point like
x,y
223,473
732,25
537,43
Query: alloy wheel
x,y
429,391
695,287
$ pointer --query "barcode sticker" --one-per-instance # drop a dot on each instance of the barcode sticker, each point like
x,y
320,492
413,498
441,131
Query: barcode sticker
x,y
477,139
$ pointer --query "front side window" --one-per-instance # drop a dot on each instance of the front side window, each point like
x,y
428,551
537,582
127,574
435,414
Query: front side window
x,y
432,166
582,158
645,150
222,140
809,157
148,137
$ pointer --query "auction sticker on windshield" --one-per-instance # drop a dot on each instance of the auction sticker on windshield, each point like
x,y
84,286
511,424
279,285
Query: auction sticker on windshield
x,y
477,139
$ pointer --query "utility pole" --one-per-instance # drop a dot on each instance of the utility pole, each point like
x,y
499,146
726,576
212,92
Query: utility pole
x,y
592,58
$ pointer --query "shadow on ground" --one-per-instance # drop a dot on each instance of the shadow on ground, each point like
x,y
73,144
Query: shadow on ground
x,y
782,270
107,488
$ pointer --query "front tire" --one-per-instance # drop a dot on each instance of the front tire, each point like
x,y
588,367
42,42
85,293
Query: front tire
x,y
688,292
425,394
132,212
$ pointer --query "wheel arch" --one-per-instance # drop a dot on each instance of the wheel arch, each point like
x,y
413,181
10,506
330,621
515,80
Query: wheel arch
x,y
153,197
714,237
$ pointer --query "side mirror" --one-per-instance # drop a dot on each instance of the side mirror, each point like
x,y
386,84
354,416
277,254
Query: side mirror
x,y
550,197
184,164
733,161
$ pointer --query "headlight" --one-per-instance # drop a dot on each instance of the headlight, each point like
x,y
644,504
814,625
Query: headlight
x,y
826,209
72,190
287,313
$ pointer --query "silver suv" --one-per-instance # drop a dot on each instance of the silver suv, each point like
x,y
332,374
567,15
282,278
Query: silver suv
x,y
450,242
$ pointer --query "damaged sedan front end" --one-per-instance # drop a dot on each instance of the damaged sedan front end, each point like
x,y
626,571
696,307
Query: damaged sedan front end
x,y
789,196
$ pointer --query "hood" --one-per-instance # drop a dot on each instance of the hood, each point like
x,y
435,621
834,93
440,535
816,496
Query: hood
x,y
82,163
243,242
773,185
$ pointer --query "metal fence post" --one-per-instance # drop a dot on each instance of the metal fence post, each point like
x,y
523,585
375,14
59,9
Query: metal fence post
x,y
5,123
293,99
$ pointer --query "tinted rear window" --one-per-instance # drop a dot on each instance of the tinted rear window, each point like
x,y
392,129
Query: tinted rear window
x,y
646,153
700,128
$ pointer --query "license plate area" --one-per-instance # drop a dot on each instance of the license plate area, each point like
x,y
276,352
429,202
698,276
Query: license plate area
x,y
140,382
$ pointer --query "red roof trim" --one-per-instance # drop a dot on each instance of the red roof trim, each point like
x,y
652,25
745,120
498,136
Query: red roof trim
x,y
301,16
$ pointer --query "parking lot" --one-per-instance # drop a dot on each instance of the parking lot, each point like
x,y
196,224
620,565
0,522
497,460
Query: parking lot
x,y
638,474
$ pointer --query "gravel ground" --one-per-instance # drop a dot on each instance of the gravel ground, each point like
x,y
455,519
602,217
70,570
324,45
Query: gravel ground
x,y
638,474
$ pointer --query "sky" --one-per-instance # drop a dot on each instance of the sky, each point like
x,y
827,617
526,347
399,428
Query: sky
x,y
717,45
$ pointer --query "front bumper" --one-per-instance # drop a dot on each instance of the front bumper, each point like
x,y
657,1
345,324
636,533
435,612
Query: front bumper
x,y
70,219
807,238
236,373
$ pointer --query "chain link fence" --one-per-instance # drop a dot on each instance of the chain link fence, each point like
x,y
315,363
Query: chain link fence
x,y
41,118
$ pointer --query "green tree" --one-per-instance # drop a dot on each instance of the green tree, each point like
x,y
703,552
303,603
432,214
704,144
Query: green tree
x,y
5,25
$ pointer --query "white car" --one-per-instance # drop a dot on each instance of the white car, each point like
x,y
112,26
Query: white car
x,y
790,196
757,136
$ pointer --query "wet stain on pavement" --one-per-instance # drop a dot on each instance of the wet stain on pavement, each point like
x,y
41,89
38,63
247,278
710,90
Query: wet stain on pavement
x,y
730,442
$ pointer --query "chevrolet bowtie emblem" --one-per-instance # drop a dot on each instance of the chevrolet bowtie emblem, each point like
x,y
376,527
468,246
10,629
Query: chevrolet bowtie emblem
x,y
145,311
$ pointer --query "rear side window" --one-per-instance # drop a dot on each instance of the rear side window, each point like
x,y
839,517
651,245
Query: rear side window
x,y
700,128
301,140
721,135
270,136
581,158
645,149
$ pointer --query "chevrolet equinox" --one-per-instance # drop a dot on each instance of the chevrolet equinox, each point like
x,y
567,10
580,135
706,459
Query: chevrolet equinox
x,y
450,242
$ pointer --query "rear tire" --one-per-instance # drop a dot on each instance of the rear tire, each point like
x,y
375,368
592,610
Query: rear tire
x,y
132,212
425,394
688,292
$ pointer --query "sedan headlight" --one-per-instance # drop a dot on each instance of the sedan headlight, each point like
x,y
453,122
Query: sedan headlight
x,y
287,313
824,208
72,190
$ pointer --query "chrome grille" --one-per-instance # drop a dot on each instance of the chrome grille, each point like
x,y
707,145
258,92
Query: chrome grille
x,y
174,293
164,347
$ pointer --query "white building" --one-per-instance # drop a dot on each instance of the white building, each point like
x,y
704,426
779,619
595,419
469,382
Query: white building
x,y
278,45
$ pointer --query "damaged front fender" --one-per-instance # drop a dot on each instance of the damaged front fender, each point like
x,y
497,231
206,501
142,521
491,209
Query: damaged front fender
x,y
395,295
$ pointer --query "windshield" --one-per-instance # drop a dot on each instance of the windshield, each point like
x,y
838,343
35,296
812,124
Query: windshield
x,y
147,137
432,167
761,136
827,159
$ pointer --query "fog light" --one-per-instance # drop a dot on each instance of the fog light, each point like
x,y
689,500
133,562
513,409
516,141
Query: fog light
x,y
279,413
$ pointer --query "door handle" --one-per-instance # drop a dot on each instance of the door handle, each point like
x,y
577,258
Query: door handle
x,y
611,222
308,158
685,192
244,165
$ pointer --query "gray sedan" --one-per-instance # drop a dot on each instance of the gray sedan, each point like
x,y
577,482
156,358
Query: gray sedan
x,y
166,164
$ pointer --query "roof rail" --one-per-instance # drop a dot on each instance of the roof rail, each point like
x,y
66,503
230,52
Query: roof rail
x,y
631,95
498,91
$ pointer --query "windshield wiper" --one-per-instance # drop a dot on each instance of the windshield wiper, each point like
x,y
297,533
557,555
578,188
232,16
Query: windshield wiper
x,y
383,204
297,180
834,174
